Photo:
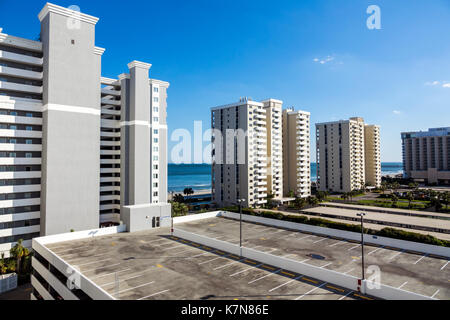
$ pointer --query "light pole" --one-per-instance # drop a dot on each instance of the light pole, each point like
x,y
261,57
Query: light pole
x,y
240,201
361,215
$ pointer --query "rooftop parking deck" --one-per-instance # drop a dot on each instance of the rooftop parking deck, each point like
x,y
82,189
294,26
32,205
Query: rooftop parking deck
x,y
412,271
153,265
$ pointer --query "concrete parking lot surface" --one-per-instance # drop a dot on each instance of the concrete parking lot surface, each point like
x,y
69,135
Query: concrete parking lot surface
x,y
153,265
411,271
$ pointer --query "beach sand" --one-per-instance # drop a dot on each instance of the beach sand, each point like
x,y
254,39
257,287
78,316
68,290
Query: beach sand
x,y
196,193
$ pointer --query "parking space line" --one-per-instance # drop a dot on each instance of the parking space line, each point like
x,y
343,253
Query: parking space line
x,y
270,251
282,285
192,249
304,260
267,275
349,271
335,244
354,247
210,260
109,266
343,297
227,265
443,267
375,250
154,294
435,294
95,256
92,262
306,237
242,271
108,274
198,255
320,240
181,245
311,291
396,254
142,285
420,258
326,265
402,285
133,277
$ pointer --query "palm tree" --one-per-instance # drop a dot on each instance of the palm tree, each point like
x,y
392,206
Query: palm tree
x,y
446,199
313,201
188,191
18,252
410,198
394,199
3,265
383,187
179,209
178,198
299,202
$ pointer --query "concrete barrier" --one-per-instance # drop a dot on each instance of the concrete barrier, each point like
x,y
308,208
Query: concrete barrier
x,y
381,241
194,217
329,276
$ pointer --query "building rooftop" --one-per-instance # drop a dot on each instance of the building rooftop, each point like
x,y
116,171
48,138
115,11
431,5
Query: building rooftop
x,y
155,265
432,132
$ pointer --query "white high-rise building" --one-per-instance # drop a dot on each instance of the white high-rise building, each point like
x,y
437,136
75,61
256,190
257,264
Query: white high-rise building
x,y
247,163
348,155
76,150
296,153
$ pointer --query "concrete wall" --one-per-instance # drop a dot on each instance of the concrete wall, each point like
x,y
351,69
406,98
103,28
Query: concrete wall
x,y
71,126
140,217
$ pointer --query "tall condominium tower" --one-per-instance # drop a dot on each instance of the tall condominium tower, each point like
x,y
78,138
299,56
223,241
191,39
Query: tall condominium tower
x,y
296,153
426,155
348,155
76,149
274,147
246,152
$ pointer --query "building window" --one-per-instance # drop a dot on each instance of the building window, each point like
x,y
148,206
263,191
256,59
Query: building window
x,y
155,176
155,109
155,140
155,89
155,119
155,99
155,158
155,131
155,167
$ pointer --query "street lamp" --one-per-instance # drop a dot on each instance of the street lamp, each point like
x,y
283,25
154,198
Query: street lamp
x,y
361,215
240,201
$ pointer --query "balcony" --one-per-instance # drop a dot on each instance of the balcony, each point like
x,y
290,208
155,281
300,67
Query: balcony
x,y
20,87
20,58
20,73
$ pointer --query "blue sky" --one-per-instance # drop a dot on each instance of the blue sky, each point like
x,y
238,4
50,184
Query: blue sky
x,y
215,51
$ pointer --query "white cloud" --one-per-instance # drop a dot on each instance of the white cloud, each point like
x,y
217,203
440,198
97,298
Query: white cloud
x,y
397,112
324,60
432,83
446,85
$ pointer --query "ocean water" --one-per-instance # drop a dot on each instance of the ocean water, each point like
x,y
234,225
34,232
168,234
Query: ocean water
x,y
198,176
